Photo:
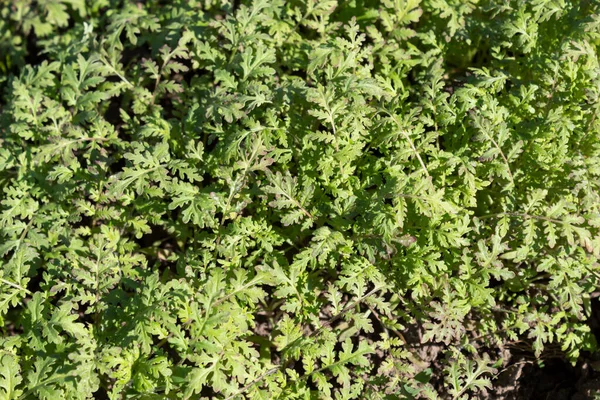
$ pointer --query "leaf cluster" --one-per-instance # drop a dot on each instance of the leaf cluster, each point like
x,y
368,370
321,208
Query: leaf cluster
x,y
277,199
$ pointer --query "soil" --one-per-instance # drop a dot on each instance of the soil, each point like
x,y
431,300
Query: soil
x,y
557,379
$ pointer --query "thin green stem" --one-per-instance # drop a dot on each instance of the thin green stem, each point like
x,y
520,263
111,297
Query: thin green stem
x,y
14,285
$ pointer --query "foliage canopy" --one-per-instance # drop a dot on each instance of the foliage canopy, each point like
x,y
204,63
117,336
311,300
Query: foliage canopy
x,y
290,199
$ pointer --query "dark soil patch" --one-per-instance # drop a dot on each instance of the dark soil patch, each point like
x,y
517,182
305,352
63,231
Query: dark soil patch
x,y
556,379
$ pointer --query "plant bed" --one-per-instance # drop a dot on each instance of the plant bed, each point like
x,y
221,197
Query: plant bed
x,y
299,199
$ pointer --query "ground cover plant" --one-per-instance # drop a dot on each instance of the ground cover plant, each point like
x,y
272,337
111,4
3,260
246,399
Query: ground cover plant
x,y
295,199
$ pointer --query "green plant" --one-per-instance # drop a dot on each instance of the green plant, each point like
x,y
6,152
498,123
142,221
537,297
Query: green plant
x,y
272,199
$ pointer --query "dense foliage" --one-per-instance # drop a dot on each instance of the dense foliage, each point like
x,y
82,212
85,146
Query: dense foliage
x,y
292,199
